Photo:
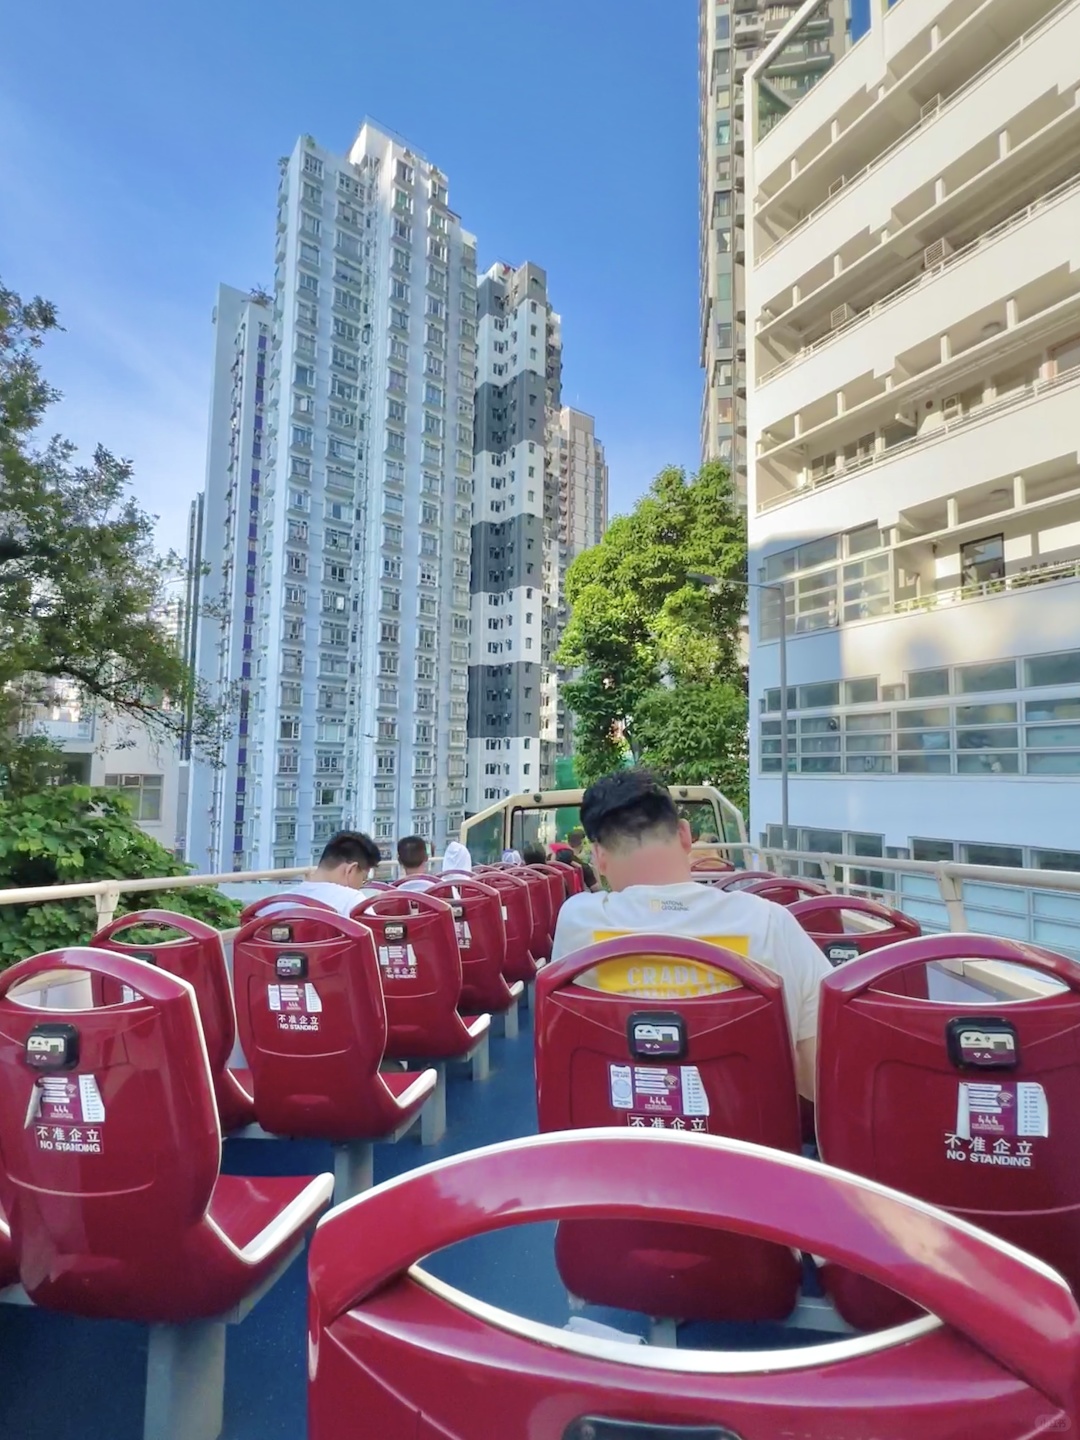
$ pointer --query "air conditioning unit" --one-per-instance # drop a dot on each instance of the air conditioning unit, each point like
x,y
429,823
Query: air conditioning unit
x,y
842,315
837,185
936,254
894,692
952,407
930,109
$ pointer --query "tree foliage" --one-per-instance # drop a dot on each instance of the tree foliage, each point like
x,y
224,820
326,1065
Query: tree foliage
x,y
81,584
656,651
70,834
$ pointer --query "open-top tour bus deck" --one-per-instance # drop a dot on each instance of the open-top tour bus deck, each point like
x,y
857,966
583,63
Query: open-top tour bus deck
x,y
598,1211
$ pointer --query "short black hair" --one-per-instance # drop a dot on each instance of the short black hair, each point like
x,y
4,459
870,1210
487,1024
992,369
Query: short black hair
x,y
626,806
576,836
534,854
412,851
350,847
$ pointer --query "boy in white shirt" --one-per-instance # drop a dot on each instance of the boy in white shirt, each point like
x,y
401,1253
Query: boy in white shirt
x,y
343,870
412,854
642,848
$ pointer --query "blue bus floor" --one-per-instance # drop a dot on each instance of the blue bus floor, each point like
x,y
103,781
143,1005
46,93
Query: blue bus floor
x,y
63,1378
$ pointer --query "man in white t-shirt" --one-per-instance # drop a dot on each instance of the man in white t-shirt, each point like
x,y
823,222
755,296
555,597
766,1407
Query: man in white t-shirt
x,y
642,848
412,854
343,870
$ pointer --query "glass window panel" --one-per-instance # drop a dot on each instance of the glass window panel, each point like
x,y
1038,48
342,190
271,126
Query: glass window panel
x,y
861,692
772,699
770,764
819,697
820,745
997,675
935,850
1053,709
863,744
922,684
868,764
777,566
993,855
1053,669
876,565
1061,762
924,740
858,542
770,747
917,719
866,844
879,720
818,552
820,764
816,620
1052,737
822,842
1056,859
1002,739
924,764
987,762
986,714
823,580
822,725
772,727
868,608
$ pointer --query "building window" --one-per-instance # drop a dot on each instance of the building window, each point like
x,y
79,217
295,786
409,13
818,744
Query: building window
x,y
997,675
1062,669
982,561
143,793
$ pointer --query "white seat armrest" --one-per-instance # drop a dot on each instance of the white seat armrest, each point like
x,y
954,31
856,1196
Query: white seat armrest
x,y
480,1026
517,988
291,1220
424,1084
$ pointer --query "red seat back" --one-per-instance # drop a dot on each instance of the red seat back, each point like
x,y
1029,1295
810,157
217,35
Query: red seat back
x,y
481,934
312,1021
969,1106
260,906
740,879
784,889
418,1362
517,908
109,1135
543,925
421,974
824,918
198,957
556,889
719,1063
573,879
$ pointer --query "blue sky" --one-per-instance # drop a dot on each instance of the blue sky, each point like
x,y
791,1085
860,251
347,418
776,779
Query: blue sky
x,y
138,149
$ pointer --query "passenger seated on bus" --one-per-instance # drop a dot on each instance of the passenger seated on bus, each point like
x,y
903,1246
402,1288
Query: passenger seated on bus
x,y
576,841
642,849
412,854
534,854
456,857
342,872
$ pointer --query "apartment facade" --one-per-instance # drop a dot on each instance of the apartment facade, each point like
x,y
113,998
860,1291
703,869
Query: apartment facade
x,y
731,35
914,428
540,498
359,604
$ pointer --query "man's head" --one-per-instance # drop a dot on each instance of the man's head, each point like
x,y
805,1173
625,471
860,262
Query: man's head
x,y
412,854
349,859
636,834
576,839
534,854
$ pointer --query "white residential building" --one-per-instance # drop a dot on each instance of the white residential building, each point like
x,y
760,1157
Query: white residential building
x,y
540,498
360,628
913,303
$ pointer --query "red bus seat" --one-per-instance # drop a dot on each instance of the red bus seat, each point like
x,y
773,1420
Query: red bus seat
x,y
784,889
825,920
398,1355
116,1204
313,1025
260,906
971,1107
718,1061
543,927
740,879
199,958
572,876
481,933
517,908
556,889
9,1270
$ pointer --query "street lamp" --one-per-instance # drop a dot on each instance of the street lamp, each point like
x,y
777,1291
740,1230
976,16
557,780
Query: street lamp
x,y
710,582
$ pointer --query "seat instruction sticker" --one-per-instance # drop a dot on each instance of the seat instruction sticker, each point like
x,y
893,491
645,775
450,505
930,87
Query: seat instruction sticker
x,y
996,1123
67,1113
461,928
396,956
297,1007
659,1097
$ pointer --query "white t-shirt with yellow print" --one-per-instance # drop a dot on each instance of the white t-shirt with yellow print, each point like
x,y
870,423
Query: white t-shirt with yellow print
x,y
750,926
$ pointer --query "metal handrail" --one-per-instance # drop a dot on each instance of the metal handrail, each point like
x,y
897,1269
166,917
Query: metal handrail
x,y
1018,44
926,277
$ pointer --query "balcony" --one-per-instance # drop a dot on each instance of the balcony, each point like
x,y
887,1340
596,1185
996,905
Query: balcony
x,y
61,732
1045,574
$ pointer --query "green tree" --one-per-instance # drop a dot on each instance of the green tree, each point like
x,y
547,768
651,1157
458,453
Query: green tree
x,y
81,584
69,834
656,651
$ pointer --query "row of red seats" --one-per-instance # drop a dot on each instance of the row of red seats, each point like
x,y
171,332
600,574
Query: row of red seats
x,y
951,1102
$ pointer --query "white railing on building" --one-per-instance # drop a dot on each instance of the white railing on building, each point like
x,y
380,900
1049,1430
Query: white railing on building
x,y
1021,580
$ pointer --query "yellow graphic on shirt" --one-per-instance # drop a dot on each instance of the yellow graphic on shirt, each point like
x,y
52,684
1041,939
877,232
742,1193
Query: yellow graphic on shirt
x,y
663,977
